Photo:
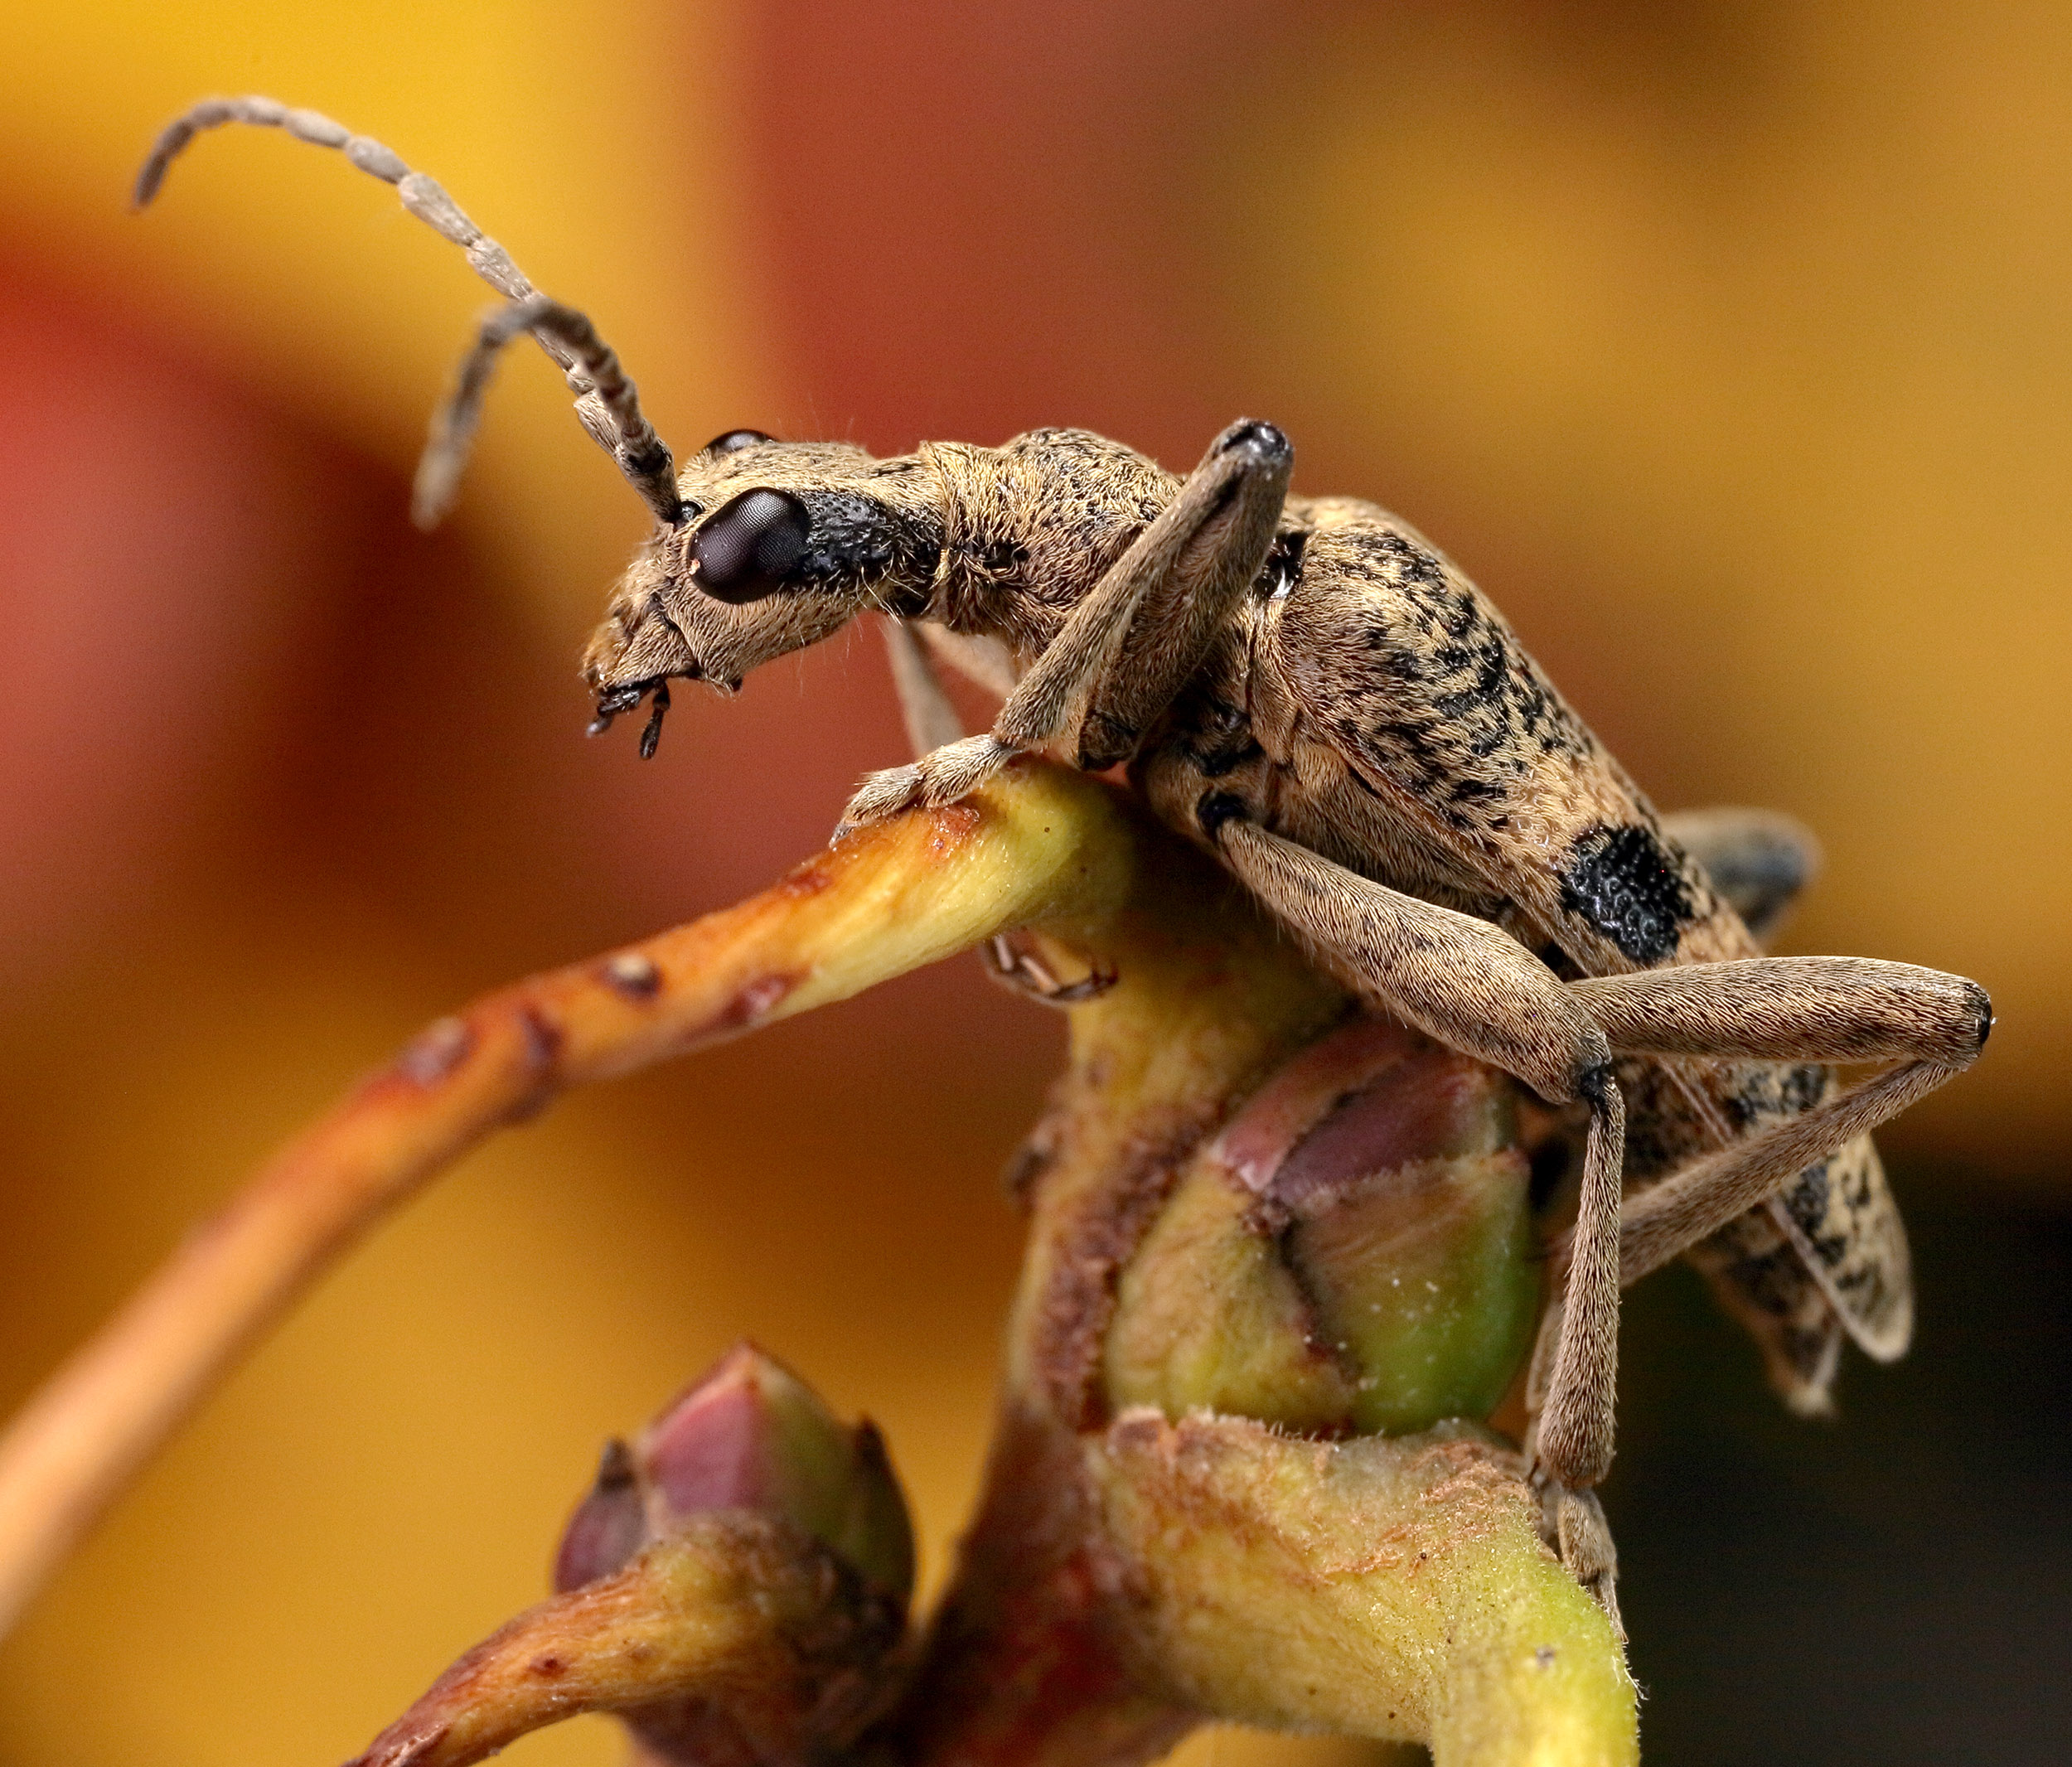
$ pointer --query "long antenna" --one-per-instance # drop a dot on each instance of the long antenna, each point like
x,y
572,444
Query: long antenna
x,y
606,402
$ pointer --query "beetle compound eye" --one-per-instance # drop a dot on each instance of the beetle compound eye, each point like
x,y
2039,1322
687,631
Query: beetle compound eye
x,y
747,551
734,439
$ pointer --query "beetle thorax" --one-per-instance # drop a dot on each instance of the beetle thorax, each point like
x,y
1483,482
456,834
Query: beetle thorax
x,y
1028,528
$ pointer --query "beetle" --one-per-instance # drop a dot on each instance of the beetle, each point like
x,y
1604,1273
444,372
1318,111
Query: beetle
x,y
1311,690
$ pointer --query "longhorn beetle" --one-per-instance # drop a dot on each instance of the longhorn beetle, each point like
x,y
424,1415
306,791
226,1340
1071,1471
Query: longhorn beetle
x,y
1312,692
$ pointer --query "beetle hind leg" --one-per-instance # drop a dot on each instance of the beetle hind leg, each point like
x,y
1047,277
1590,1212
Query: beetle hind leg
x,y
1927,1026
1469,985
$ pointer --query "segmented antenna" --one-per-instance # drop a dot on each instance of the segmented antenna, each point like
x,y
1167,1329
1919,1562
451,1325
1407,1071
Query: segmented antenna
x,y
643,456
606,402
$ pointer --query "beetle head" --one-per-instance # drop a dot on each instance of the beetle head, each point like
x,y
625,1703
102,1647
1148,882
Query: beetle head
x,y
778,545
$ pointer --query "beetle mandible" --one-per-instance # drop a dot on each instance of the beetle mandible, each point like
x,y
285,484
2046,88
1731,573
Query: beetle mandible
x,y
1314,692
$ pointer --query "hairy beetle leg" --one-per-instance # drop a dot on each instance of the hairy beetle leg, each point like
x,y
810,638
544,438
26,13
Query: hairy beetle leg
x,y
939,777
932,722
1576,1528
1134,643
925,708
1472,986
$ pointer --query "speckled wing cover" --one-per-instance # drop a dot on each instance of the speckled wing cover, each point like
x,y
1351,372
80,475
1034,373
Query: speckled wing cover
x,y
1465,772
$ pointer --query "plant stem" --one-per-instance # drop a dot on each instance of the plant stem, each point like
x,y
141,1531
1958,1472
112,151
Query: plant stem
x,y
1037,847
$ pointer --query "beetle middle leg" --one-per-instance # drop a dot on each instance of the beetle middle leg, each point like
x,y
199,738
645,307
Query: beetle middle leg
x,y
932,720
1474,988
1127,650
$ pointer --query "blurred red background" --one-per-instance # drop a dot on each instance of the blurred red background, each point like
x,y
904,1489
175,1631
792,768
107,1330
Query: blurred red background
x,y
1726,345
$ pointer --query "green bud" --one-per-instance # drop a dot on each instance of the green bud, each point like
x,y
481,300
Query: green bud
x,y
1354,1253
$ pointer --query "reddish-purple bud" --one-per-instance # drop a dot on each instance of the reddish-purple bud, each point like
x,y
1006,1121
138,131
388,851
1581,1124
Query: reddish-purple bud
x,y
609,1526
749,1435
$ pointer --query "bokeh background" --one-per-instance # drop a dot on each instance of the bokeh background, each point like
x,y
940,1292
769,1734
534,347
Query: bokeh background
x,y
1726,343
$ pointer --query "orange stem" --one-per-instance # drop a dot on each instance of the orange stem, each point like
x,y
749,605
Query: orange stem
x,y
891,898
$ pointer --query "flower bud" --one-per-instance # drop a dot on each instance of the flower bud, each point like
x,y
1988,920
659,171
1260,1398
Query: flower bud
x,y
734,1586
1353,1253
748,1434
609,1526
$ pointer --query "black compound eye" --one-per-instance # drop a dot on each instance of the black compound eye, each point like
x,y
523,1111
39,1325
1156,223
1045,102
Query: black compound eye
x,y
748,549
736,438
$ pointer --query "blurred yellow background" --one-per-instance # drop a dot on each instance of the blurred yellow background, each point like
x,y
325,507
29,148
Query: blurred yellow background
x,y
1726,344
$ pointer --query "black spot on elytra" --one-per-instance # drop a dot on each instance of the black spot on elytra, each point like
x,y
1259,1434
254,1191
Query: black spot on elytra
x,y
1622,882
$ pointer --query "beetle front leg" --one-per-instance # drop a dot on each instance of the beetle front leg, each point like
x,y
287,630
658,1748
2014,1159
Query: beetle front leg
x,y
950,765
932,722
1130,645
